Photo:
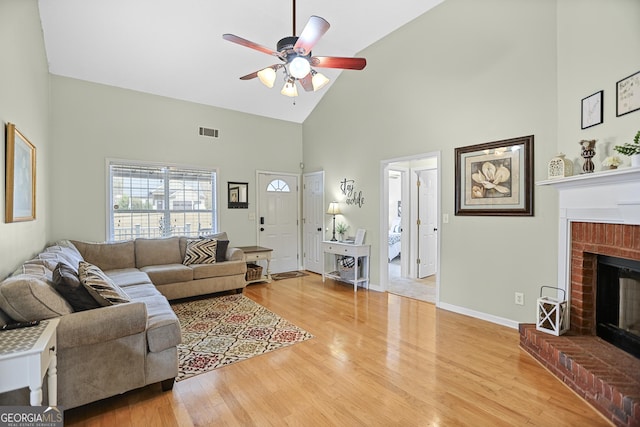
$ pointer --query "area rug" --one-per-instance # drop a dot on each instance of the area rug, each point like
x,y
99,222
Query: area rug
x,y
223,330
288,275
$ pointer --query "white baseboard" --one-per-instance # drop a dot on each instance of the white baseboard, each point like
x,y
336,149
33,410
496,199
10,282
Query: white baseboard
x,y
479,315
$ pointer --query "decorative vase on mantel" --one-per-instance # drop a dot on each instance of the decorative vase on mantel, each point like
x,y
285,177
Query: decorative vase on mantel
x,y
559,167
588,152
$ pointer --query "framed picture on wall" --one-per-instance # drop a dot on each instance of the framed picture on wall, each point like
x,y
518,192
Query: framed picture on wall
x,y
591,114
20,180
495,178
628,95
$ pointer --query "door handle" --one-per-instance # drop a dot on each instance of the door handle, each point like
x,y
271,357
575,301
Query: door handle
x,y
319,229
261,228
262,220
435,229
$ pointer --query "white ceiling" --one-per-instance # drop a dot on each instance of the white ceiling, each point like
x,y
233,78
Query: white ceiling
x,y
174,48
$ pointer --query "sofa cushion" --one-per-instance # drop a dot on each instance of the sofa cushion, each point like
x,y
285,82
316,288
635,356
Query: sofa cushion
x,y
229,268
27,297
99,285
157,251
200,251
163,326
137,292
108,256
169,273
126,277
67,283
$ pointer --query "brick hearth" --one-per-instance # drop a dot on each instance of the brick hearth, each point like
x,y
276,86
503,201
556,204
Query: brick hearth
x,y
605,376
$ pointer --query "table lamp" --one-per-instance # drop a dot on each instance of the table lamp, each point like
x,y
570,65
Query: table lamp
x,y
334,209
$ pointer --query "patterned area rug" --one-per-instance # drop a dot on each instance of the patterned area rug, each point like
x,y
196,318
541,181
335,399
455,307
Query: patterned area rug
x,y
223,330
288,275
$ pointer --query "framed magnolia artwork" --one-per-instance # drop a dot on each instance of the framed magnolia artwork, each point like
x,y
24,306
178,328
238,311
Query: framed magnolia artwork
x,y
495,178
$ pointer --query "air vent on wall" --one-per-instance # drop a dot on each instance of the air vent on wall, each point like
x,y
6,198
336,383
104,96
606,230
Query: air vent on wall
x,y
213,133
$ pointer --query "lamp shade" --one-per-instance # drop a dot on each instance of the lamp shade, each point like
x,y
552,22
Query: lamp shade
x,y
267,76
334,208
318,81
289,89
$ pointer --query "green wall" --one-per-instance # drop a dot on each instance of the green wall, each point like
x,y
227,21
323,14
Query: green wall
x,y
24,101
92,123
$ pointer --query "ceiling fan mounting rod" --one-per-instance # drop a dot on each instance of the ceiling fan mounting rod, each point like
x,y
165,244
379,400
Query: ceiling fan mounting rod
x,y
294,18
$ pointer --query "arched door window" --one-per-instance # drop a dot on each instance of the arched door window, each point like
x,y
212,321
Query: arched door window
x,y
278,185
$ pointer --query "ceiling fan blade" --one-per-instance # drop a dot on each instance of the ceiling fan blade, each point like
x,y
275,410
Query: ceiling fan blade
x,y
307,82
250,76
338,62
246,43
311,33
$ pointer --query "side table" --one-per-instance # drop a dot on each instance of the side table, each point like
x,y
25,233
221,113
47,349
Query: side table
x,y
26,354
258,253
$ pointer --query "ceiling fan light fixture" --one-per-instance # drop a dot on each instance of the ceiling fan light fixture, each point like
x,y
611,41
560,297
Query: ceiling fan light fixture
x,y
290,89
299,67
318,80
267,76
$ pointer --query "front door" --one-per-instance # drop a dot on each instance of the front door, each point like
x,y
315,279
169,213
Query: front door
x,y
312,221
278,219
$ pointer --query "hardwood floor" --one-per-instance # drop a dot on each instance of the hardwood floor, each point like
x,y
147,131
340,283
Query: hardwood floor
x,y
377,359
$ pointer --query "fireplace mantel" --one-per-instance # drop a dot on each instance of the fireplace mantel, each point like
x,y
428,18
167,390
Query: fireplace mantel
x,y
605,197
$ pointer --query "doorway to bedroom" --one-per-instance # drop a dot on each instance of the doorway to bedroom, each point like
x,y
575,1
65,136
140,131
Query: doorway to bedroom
x,y
410,215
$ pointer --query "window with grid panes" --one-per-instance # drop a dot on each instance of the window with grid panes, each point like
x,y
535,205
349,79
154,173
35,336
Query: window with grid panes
x,y
150,200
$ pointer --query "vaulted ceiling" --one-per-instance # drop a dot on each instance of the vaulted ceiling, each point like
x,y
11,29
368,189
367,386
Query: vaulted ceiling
x,y
174,48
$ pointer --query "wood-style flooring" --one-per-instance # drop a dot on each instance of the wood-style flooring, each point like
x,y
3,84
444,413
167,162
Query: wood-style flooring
x,y
377,359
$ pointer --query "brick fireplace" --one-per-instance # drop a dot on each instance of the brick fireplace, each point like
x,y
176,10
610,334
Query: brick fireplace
x,y
599,215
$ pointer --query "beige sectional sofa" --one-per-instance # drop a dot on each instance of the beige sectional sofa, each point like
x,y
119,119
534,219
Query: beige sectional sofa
x,y
115,348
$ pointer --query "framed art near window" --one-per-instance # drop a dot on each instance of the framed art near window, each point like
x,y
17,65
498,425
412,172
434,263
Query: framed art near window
x,y
592,110
20,194
495,178
628,94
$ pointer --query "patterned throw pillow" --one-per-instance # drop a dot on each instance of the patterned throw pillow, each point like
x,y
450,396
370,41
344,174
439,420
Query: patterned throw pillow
x,y
100,286
201,251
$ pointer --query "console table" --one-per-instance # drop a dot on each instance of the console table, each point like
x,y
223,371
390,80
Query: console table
x,y
361,255
26,354
258,253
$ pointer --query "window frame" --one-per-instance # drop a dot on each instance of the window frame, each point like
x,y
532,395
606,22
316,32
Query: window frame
x,y
109,162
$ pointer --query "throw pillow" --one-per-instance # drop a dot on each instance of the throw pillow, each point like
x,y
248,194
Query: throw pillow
x,y
201,251
100,286
221,250
67,283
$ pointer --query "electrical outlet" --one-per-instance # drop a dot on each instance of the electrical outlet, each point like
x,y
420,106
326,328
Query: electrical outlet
x,y
519,298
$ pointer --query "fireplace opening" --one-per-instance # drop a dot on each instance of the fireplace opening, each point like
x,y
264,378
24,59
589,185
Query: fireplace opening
x,y
618,302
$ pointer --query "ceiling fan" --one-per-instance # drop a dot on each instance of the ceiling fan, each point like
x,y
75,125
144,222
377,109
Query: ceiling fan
x,y
297,62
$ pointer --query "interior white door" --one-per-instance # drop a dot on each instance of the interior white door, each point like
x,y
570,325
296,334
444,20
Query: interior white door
x,y
312,221
428,222
278,219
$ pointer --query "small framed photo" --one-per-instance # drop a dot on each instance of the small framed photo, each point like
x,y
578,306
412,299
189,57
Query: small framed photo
x,y
592,110
495,178
628,95
20,195
359,236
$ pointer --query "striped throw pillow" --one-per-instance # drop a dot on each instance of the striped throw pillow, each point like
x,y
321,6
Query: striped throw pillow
x,y
100,286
